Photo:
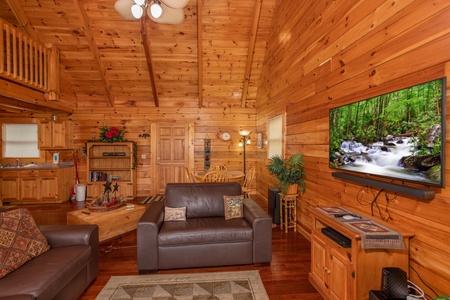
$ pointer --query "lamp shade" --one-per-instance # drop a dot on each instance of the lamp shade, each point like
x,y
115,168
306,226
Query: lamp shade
x,y
169,15
137,11
155,10
123,7
176,3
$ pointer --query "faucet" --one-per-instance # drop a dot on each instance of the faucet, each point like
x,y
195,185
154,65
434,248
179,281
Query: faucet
x,y
18,162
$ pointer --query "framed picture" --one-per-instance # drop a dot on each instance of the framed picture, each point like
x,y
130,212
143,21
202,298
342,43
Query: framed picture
x,y
259,140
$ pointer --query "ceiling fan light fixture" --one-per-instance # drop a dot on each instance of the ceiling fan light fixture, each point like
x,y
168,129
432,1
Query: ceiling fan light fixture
x,y
155,9
139,2
137,11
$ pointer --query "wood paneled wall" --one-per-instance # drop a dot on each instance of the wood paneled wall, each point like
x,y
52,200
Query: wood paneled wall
x,y
324,54
207,123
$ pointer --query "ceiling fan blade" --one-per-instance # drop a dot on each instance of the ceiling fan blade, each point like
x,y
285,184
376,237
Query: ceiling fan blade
x,y
175,3
123,7
169,15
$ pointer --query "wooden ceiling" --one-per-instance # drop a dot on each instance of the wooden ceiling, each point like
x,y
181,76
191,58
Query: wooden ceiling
x,y
213,59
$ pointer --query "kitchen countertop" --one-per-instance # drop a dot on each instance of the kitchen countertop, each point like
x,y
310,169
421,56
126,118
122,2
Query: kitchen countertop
x,y
37,166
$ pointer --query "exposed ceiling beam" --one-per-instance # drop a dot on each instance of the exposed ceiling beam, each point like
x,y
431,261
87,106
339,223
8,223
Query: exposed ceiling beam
x,y
22,19
251,51
148,57
95,51
200,51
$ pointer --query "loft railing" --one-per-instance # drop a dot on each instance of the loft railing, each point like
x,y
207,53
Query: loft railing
x,y
26,61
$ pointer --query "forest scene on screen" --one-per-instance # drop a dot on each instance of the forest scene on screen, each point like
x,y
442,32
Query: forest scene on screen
x,y
396,135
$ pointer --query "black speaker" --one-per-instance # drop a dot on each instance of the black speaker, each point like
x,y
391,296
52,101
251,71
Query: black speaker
x,y
394,283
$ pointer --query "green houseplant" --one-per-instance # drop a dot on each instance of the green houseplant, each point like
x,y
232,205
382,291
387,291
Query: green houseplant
x,y
288,171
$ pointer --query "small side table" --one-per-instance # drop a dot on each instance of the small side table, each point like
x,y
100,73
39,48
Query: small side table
x,y
288,211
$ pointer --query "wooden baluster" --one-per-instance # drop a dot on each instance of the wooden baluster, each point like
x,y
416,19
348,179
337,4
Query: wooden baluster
x,y
2,48
8,50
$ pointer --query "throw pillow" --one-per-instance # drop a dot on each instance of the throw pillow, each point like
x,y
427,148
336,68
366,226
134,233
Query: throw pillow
x,y
20,240
234,206
175,213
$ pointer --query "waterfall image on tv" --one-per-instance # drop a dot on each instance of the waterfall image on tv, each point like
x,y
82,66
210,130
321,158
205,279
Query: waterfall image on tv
x,y
399,135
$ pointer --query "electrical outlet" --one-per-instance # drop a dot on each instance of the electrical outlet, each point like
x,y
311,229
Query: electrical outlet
x,y
143,156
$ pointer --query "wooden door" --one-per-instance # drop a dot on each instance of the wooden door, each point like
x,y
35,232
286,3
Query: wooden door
x,y
172,154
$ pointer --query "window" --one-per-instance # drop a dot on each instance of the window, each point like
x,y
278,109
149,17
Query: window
x,y
20,140
275,136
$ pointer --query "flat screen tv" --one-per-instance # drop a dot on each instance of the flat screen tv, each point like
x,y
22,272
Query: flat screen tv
x,y
399,135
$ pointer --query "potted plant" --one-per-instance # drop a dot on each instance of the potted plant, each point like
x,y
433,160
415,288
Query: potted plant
x,y
288,171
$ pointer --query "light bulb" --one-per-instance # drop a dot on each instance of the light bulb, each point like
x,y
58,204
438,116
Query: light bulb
x,y
156,10
137,11
240,144
249,141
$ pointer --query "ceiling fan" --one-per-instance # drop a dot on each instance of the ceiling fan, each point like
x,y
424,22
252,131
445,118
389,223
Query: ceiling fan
x,y
160,11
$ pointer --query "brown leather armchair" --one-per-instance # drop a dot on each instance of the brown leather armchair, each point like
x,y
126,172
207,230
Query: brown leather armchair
x,y
205,239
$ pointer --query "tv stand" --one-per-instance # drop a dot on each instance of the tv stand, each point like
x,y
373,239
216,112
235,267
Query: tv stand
x,y
349,273
396,188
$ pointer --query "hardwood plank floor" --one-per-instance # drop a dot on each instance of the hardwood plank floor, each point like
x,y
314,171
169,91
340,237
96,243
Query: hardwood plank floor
x,y
285,278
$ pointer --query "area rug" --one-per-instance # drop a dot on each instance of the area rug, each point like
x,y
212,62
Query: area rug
x,y
241,285
150,199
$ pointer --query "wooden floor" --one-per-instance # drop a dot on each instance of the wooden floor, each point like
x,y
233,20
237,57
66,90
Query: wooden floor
x,y
285,278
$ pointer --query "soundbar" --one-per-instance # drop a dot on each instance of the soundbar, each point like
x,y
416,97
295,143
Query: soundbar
x,y
396,188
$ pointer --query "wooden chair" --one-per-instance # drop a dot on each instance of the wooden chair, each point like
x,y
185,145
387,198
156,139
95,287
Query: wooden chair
x,y
220,167
189,175
215,176
247,182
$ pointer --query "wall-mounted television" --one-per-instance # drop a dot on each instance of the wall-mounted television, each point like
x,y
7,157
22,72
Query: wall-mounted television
x,y
399,135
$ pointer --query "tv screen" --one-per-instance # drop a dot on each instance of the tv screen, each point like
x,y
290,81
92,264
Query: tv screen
x,y
399,135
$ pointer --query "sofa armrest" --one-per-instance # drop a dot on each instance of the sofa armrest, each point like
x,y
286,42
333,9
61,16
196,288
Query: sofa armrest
x,y
70,235
262,231
147,237
73,235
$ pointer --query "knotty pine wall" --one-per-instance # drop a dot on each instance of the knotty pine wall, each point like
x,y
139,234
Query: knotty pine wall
x,y
324,54
208,122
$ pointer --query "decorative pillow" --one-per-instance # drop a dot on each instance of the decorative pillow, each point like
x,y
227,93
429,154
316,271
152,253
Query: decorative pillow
x,y
20,240
175,213
234,206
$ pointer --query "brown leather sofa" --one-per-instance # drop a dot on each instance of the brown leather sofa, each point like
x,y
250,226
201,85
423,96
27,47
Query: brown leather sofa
x,y
205,239
63,272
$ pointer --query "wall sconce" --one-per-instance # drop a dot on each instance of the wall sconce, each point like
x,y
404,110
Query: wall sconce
x,y
245,140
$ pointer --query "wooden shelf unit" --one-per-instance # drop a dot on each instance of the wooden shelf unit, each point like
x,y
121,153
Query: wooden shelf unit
x,y
105,163
349,273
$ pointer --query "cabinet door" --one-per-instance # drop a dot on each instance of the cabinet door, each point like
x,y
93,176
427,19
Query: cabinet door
x,y
318,260
94,190
126,190
29,189
49,189
59,135
10,190
45,134
340,275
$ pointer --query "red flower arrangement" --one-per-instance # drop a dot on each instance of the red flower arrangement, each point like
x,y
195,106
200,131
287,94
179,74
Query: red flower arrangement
x,y
111,134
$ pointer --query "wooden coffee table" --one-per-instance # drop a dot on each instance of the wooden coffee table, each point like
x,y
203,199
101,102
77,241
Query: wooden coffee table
x,y
111,224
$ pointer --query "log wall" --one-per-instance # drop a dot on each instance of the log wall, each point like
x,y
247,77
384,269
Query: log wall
x,y
134,122
324,54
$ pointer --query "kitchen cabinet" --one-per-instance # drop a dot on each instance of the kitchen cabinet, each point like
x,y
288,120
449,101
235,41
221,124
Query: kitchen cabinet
x,y
36,186
29,185
10,186
113,162
340,273
55,135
